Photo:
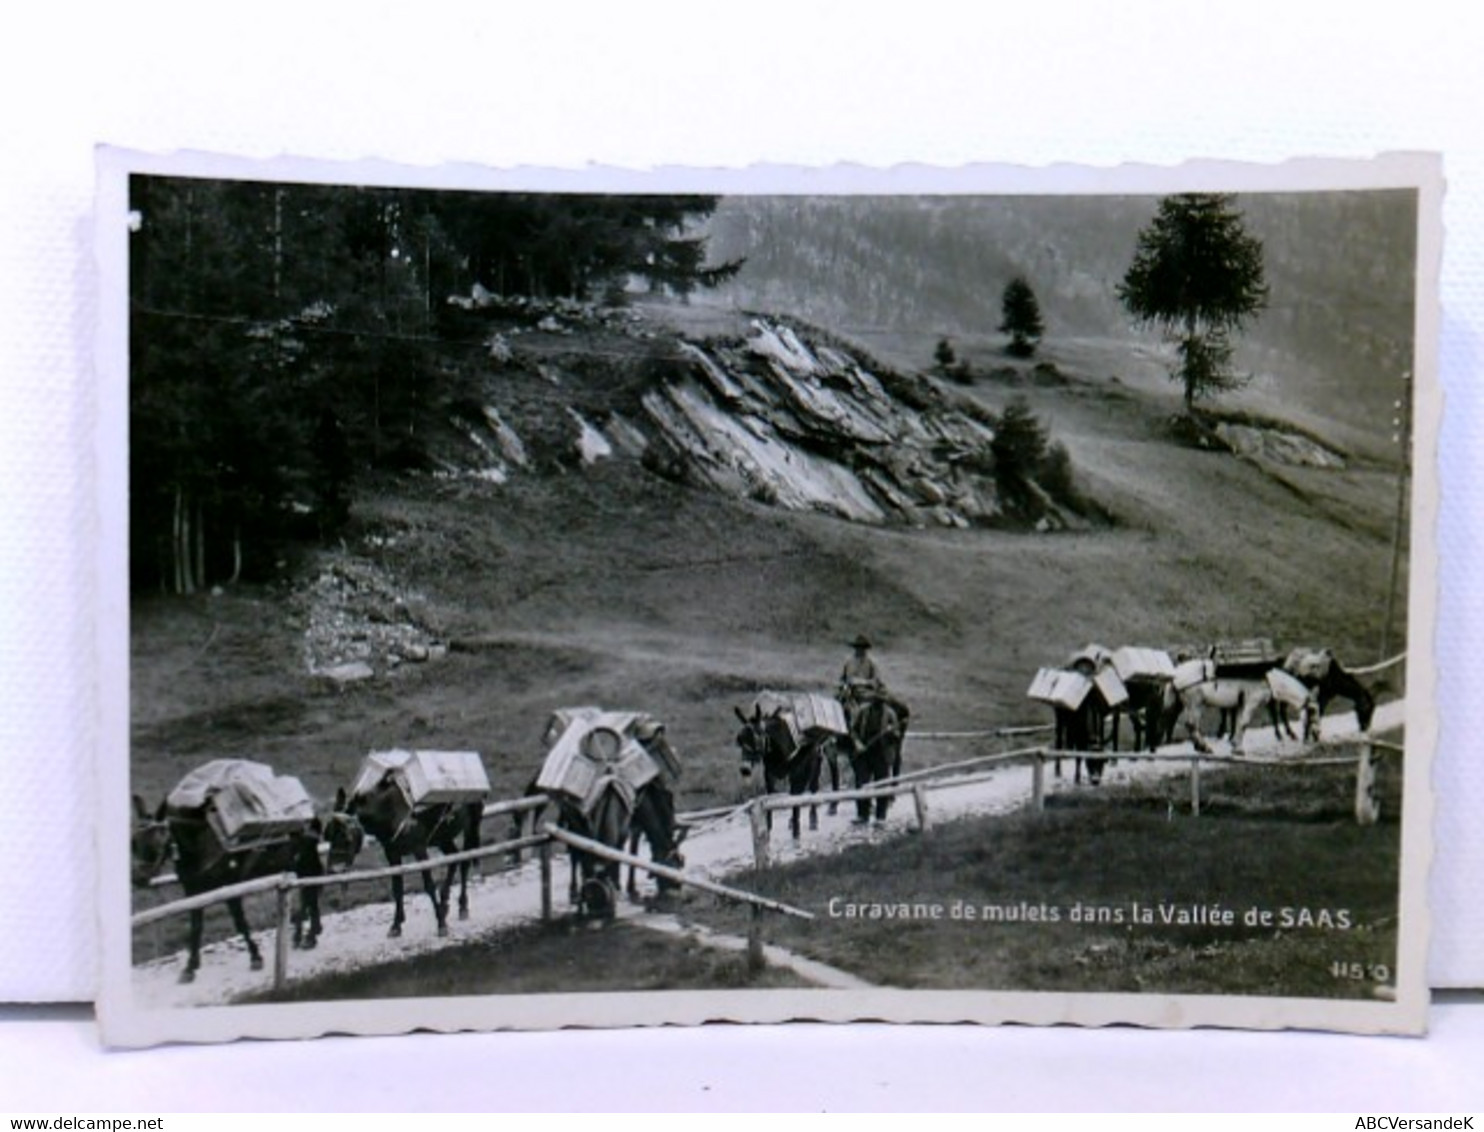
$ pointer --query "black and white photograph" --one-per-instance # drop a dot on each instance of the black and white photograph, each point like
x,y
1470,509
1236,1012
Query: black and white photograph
x,y
992,595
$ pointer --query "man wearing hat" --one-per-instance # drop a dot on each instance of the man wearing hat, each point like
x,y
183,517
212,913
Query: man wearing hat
x,y
859,676
860,680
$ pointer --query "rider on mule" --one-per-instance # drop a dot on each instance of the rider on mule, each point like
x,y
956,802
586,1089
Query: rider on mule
x,y
861,682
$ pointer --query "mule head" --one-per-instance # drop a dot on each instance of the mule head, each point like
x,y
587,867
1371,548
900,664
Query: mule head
x,y
343,833
1365,703
150,845
751,740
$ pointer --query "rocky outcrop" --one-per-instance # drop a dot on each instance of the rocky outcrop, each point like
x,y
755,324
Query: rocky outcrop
x,y
781,415
807,426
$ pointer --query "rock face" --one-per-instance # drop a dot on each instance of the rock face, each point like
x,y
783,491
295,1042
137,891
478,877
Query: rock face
x,y
779,415
806,426
1277,446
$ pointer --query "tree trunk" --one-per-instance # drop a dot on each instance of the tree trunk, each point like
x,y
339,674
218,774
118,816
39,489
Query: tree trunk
x,y
1189,375
200,548
236,555
177,565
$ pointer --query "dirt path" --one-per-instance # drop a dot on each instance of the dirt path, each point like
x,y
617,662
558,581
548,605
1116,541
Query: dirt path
x,y
357,937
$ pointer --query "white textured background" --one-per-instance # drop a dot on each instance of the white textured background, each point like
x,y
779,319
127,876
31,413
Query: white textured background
x,y
641,84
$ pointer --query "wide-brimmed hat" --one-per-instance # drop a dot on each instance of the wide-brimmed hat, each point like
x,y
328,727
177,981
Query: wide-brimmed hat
x,y
861,642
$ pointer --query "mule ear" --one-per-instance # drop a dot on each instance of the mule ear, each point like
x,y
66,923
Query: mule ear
x,y
141,811
340,800
740,716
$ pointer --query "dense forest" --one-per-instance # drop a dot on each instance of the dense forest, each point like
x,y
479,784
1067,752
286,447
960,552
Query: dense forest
x,y
287,338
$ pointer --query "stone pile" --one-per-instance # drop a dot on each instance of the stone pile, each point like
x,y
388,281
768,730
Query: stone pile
x,y
359,624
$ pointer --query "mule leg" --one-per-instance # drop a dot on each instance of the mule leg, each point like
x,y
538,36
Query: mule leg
x,y
884,771
193,957
399,915
239,920
863,776
633,886
439,901
310,901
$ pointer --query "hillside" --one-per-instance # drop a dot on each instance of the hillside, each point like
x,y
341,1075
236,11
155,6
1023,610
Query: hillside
x,y
568,548
1331,345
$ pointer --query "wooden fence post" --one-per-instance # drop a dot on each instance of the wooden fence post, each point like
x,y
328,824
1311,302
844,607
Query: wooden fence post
x,y
757,814
919,802
1038,781
1367,805
755,959
281,944
545,854
1195,785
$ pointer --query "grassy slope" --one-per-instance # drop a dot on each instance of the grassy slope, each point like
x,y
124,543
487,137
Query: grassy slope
x,y
566,958
611,586
1105,852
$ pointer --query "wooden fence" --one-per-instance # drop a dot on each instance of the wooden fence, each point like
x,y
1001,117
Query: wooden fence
x,y
284,885
919,784
966,772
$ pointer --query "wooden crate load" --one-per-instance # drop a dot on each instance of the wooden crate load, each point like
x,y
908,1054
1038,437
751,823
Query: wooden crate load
x,y
593,749
809,715
1060,688
816,712
563,718
1286,687
1110,687
427,778
1068,689
1141,665
1255,653
243,802
1090,658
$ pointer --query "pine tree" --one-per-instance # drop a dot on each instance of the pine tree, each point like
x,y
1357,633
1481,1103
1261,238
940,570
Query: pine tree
x,y
944,356
1021,318
1198,276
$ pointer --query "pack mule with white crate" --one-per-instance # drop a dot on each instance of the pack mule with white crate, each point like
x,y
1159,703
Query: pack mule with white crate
x,y
1237,680
229,821
1083,696
610,774
793,736
413,802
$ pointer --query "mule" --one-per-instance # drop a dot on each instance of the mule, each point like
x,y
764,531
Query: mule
x,y
1329,680
202,865
1198,688
768,740
1081,729
403,831
1147,716
876,734
618,814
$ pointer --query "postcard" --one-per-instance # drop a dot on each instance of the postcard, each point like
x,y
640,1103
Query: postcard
x,y
549,598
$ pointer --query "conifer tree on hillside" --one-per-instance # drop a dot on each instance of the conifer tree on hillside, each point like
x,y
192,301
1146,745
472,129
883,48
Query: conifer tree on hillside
x,y
1021,317
1197,275
943,355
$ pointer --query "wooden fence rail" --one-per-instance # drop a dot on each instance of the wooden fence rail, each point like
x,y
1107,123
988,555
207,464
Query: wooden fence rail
x,y
618,856
966,772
